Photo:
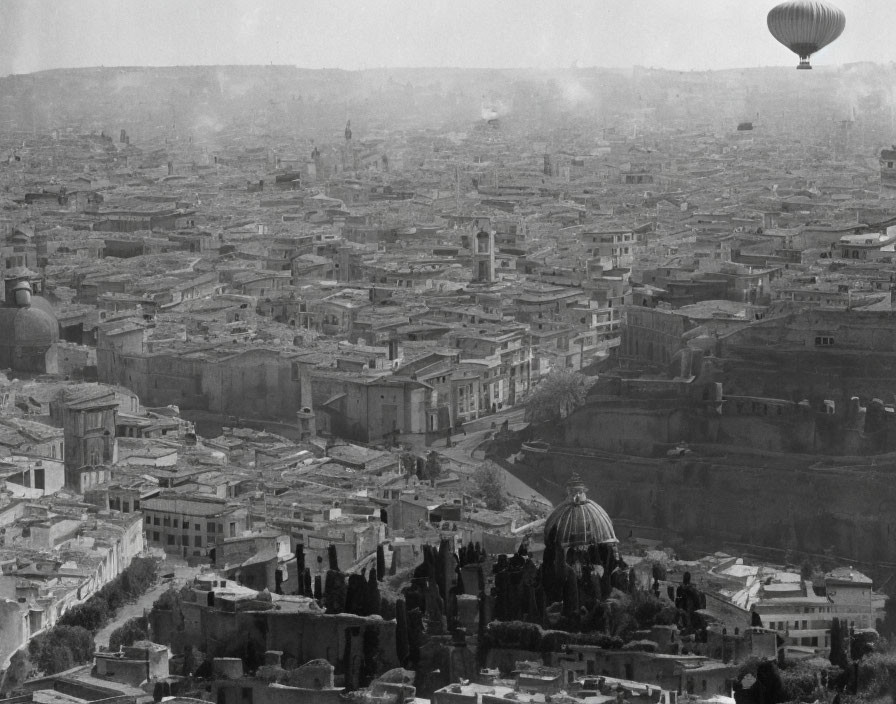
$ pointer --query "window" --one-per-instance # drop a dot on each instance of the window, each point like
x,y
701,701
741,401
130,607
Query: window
x,y
824,341
93,420
148,520
197,541
175,523
233,530
196,527
155,536
155,520
171,540
210,527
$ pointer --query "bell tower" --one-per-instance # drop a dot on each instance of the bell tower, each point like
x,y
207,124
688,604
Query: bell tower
x,y
484,257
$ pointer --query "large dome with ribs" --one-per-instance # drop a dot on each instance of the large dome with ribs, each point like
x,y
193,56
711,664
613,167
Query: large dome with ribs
x,y
579,520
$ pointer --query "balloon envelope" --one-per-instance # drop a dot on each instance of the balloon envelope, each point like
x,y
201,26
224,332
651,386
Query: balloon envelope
x,y
805,26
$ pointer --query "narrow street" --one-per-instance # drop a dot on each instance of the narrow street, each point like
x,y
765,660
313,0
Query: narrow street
x,y
466,458
182,574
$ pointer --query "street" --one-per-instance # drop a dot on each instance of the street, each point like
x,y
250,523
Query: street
x,y
465,459
182,573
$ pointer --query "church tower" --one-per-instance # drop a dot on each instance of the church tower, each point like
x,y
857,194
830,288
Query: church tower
x,y
484,257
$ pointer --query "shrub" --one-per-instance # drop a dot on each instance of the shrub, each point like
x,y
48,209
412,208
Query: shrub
x,y
169,600
649,611
514,634
129,632
530,636
877,675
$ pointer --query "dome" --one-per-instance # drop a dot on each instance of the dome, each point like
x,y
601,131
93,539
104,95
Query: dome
x,y
30,327
579,521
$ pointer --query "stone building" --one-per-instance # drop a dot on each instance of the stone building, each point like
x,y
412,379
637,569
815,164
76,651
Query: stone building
x,y
88,420
190,525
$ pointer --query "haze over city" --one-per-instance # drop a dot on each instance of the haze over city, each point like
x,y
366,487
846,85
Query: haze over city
x,y
447,352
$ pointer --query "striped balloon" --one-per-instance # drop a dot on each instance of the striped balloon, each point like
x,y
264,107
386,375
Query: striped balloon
x,y
805,26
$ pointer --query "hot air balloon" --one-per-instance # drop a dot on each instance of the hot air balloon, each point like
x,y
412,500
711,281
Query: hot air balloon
x,y
805,26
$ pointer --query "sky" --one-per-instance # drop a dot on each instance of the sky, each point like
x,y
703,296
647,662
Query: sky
x,y
681,35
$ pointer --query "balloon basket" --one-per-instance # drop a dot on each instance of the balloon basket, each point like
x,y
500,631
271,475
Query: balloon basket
x,y
804,65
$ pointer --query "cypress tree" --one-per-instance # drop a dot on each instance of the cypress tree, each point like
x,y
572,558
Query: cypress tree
x,y
334,560
307,582
571,597
347,661
370,647
838,655
335,592
415,635
380,562
401,632
300,568
354,595
443,561
393,568
318,587
372,595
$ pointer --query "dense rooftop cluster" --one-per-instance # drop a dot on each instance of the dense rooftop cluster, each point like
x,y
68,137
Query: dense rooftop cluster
x,y
297,364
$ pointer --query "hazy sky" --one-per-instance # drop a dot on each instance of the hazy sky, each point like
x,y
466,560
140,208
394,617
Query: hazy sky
x,y
676,34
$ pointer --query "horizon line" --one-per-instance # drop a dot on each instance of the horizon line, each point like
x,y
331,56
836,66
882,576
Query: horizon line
x,y
534,69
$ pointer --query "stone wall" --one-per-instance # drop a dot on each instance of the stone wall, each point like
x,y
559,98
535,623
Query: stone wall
x,y
845,507
300,636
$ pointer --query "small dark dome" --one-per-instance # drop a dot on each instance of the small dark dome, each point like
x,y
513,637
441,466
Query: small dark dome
x,y
579,521
28,327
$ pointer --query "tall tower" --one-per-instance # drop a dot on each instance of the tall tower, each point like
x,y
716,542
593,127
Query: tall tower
x,y
888,173
484,257
348,152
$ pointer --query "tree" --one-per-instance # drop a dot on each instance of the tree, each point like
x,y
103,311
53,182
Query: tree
x,y
334,558
401,631
489,480
61,648
556,396
432,467
380,562
335,592
407,463
838,645
128,633
91,615
371,595
370,650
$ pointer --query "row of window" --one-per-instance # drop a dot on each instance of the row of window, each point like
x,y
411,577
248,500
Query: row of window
x,y
184,540
169,522
784,625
